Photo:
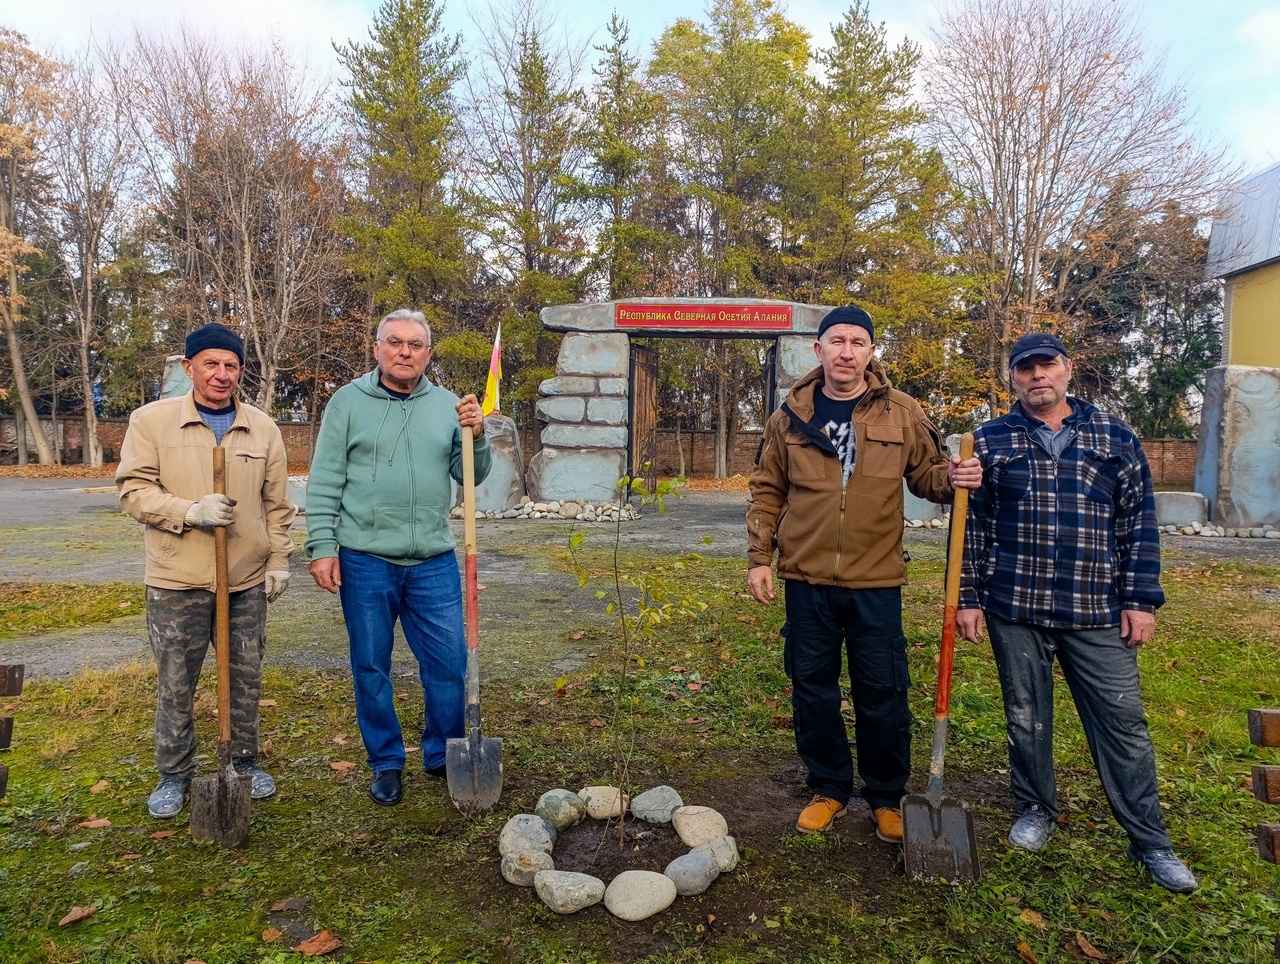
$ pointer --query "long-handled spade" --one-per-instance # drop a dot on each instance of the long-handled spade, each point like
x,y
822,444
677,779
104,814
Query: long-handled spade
x,y
220,802
473,763
938,839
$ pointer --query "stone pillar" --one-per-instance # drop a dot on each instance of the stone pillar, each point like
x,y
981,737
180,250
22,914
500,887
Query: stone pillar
x,y
504,486
795,359
587,420
1238,455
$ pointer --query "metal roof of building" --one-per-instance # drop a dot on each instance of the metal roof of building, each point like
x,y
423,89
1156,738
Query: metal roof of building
x,y
1248,232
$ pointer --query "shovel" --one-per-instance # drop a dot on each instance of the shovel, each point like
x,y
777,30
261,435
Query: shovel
x,y
473,763
220,801
937,831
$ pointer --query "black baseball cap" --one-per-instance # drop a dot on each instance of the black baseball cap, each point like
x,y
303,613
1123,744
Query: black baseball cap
x,y
1038,343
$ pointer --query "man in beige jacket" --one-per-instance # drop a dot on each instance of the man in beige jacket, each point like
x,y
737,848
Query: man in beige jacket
x,y
166,482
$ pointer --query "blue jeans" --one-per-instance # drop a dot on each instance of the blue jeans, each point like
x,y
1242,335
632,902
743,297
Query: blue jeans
x,y
427,599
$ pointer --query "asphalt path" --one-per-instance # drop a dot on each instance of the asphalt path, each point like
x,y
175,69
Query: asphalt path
x,y
72,532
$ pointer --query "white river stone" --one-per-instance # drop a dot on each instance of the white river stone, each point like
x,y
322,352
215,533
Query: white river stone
x,y
697,825
637,894
566,892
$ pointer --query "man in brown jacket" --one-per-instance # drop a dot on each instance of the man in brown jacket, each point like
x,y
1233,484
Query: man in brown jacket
x,y
166,482
826,494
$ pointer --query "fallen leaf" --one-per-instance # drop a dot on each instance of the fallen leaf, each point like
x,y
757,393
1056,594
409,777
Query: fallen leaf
x,y
596,721
342,766
96,824
362,837
340,739
193,960
481,587
695,686
162,834
77,913
131,857
99,787
1170,665
543,702
1034,918
1097,912
322,943
711,918
1180,712
271,935
267,703
1026,953
294,903
1089,950
266,748
676,669
782,722
568,612
579,634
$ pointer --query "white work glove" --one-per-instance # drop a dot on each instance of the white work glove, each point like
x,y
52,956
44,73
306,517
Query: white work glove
x,y
212,510
277,583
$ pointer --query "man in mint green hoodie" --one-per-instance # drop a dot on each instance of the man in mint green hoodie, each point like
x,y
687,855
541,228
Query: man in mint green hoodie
x,y
378,500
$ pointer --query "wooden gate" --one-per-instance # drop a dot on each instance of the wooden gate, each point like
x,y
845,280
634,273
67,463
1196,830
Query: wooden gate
x,y
642,457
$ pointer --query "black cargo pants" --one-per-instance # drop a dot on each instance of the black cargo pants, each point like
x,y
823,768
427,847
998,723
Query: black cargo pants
x,y
824,623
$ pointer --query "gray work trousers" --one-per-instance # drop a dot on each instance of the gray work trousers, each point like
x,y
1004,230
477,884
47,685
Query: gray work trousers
x,y
1102,674
180,626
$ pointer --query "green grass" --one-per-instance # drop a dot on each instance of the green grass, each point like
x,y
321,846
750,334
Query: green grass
x,y
417,883
30,607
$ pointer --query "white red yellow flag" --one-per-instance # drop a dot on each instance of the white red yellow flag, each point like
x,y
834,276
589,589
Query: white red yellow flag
x,y
490,403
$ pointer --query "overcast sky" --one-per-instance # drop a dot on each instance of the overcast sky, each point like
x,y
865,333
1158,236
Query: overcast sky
x,y
1226,53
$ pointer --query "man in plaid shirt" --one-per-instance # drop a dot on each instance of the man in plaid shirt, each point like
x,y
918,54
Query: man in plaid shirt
x,y
1062,556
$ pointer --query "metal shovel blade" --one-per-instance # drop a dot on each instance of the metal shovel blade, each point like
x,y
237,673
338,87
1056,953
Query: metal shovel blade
x,y
938,840
220,807
473,767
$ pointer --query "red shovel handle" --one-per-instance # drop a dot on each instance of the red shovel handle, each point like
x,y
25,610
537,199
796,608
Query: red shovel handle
x,y
955,553
469,536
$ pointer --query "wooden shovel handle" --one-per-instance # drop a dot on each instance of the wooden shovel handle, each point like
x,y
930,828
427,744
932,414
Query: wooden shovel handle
x,y
955,556
469,536
222,608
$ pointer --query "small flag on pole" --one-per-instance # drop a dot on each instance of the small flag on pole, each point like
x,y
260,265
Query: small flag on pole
x,y
490,403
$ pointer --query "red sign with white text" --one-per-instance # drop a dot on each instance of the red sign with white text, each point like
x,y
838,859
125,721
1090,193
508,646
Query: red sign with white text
x,y
708,316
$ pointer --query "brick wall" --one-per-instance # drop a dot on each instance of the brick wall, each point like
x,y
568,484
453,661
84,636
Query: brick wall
x,y
1173,461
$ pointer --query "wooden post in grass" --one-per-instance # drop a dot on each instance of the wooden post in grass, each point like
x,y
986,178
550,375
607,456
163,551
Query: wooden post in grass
x,y
1264,731
10,685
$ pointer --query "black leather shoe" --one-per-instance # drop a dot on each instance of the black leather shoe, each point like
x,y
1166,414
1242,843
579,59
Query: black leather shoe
x,y
440,771
385,788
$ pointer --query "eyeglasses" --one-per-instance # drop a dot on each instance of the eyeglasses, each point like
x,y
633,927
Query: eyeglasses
x,y
395,344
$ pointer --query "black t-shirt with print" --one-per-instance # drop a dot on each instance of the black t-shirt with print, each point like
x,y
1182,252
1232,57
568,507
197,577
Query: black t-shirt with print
x,y
835,418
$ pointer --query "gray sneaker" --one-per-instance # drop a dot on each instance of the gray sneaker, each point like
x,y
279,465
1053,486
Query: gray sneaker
x,y
1165,869
166,800
263,785
1032,828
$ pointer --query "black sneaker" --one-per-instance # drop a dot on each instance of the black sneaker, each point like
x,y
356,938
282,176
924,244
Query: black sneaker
x,y
1165,869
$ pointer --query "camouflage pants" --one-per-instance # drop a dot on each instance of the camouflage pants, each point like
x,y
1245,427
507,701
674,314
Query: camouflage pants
x,y
180,626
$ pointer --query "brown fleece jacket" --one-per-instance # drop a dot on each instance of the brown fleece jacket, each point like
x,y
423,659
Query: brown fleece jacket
x,y
834,534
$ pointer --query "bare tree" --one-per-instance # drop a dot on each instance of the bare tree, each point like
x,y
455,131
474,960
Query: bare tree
x,y
90,152
27,102
241,149
1043,109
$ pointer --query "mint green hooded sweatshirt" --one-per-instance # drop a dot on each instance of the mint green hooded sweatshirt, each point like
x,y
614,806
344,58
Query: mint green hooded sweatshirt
x,y
379,479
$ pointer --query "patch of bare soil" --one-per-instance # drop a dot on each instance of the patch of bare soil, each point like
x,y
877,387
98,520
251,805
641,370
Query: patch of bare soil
x,y
780,868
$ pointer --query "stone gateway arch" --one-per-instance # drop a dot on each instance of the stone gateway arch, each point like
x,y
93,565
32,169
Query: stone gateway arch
x,y
599,411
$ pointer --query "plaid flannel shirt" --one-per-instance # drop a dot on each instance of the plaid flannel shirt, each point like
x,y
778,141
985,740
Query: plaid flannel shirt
x,y
1064,543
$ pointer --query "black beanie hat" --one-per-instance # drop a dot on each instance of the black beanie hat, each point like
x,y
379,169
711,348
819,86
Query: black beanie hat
x,y
848,315
213,335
